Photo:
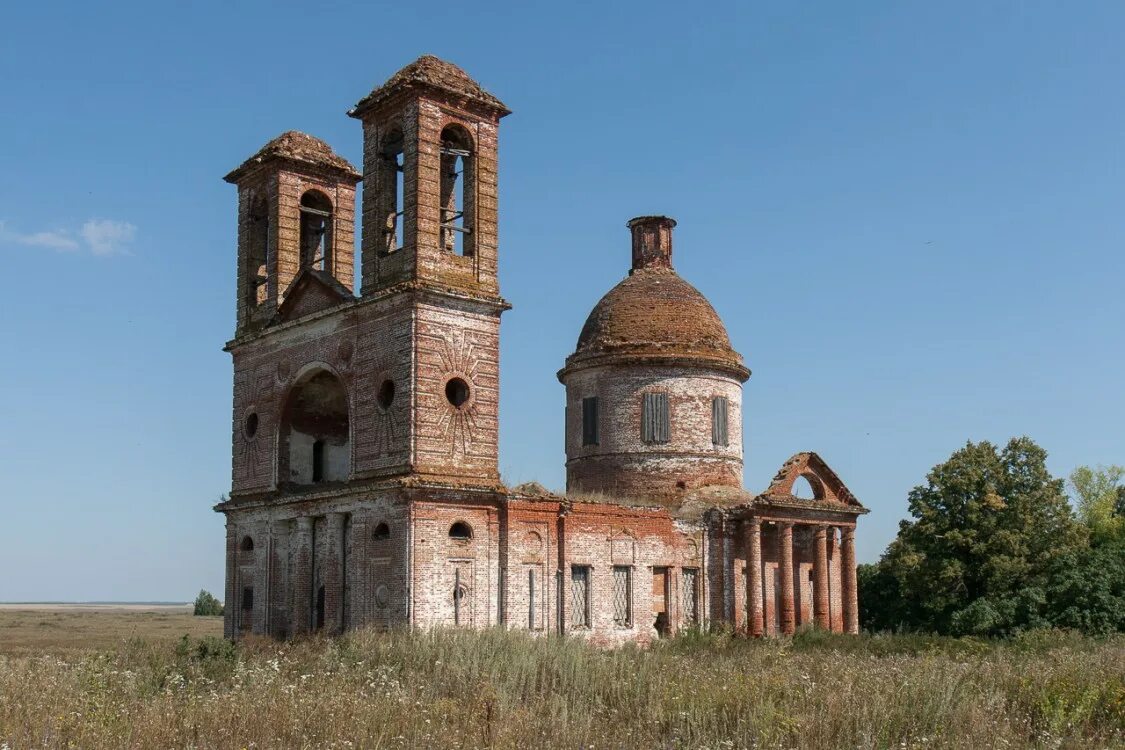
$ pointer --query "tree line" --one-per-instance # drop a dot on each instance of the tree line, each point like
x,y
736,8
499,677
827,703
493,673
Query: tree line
x,y
994,547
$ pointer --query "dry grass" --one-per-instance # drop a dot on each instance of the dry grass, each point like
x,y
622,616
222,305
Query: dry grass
x,y
505,690
30,629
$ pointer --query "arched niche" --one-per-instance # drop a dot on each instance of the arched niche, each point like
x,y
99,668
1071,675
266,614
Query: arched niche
x,y
314,444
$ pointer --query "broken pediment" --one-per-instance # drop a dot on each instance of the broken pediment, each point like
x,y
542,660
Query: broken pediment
x,y
826,486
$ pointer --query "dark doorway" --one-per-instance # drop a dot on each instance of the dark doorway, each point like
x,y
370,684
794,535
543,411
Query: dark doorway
x,y
320,608
318,461
660,601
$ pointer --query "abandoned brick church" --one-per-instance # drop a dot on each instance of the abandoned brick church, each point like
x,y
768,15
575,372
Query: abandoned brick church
x,y
365,489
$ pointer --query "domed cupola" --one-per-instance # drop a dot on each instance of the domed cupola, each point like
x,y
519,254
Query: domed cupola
x,y
654,388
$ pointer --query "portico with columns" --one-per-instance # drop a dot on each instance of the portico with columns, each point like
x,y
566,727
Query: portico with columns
x,y
799,553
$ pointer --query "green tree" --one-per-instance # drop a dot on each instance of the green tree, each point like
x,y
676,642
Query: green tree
x,y
206,605
1086,589
1098,497
987,527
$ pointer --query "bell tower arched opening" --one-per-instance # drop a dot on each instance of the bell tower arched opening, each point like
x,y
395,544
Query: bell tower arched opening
x,y
458,203
316,231
314,444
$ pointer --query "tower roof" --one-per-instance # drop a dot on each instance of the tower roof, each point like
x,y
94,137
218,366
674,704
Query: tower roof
x,y
654,314
434,73
295,146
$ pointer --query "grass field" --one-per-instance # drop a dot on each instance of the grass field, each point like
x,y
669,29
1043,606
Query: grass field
x,y
67,629
505,690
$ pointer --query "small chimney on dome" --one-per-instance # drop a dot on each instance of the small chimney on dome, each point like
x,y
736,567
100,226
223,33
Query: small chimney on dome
x,y
652,241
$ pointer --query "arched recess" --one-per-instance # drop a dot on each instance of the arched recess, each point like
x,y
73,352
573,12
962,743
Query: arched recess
x,y
458,191
388,189
256,283
314,442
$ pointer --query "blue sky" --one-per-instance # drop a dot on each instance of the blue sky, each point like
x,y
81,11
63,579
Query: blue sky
x,y
908,214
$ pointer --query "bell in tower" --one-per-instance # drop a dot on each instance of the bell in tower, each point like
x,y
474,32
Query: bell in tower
x,y
429,171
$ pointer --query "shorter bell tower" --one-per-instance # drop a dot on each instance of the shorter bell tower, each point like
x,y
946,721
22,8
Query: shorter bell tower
x,y
296,210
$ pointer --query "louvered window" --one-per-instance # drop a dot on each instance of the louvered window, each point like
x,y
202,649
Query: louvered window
x,y
580,596
590,420
691,595
622,596
654,418
719,408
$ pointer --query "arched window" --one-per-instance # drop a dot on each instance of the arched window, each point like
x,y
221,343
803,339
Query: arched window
x,y
382,531
803,489
458,199
389,189
316,231
257,252
314,443
460,530
247,544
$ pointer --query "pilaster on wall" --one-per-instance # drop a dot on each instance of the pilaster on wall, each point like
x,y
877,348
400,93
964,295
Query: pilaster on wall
x,y
230,612
303,575
334,581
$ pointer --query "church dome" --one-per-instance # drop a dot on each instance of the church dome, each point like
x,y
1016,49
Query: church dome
x,y
654,314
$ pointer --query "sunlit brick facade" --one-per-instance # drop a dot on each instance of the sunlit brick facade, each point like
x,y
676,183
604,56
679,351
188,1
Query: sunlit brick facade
x,y
365,489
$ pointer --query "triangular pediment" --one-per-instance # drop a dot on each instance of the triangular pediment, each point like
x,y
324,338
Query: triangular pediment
x,y
312,291
827,486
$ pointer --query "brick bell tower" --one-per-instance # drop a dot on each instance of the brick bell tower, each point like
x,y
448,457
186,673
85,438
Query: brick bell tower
x,y
430,243
296,210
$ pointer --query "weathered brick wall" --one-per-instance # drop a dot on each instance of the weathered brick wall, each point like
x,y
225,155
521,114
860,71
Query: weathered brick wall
x,y
265,370
282,190
457,341
382,263
421,254
301,547
622,463
366,345
442,561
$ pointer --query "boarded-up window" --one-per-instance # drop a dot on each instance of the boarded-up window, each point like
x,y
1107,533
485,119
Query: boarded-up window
x,y
719,408
590,420
622,596
691,596
654,418
580,596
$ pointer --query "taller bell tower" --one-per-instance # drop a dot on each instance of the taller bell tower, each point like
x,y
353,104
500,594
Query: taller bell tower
x,y
429,245
429,175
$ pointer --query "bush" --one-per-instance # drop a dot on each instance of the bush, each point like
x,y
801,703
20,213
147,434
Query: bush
x,y
206,605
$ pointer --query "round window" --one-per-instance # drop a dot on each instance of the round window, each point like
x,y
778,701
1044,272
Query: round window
x,y
250,426
457,392
386,395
